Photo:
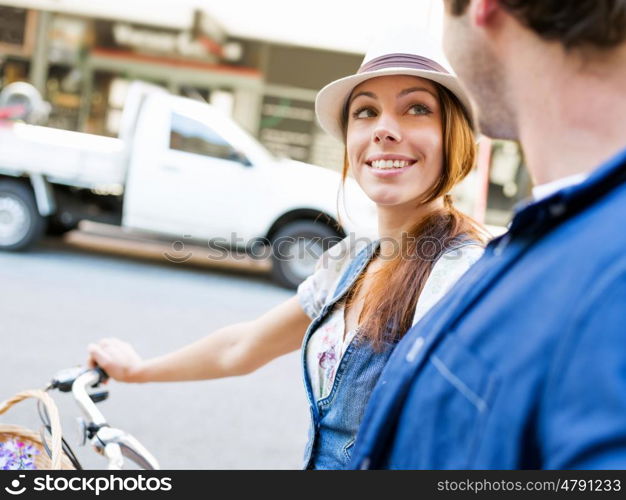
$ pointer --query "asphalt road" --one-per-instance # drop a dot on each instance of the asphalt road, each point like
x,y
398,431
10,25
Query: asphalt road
x,y
57,298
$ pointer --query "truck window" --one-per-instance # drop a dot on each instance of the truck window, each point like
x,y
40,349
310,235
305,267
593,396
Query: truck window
x,y
192,136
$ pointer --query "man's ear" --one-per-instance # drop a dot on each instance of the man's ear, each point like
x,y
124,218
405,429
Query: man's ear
x,y
482,12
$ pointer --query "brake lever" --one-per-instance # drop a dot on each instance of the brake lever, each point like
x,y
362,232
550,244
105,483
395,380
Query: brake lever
x,y
99,396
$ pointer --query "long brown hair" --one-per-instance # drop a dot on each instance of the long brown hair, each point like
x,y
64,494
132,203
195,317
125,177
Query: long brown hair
x,y
389,306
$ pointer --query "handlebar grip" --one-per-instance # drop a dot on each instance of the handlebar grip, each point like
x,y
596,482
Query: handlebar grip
x,y
104,376
64,380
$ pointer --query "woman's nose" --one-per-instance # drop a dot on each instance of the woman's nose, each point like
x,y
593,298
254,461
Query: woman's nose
x,y
386,130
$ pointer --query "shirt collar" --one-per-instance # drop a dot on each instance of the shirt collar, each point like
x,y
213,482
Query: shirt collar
x,y
569,197
544,190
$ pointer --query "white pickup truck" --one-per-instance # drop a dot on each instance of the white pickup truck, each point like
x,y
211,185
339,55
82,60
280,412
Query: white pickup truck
x,y
180,168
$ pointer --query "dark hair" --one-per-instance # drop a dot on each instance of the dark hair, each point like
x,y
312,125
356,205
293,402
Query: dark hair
x,y
574,23
390,302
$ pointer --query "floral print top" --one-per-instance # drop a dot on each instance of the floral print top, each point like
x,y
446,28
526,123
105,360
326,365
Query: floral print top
x,y
328,343
325,350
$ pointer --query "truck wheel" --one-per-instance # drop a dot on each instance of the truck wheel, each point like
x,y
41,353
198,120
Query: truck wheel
x,y
296,247
21,225
58,228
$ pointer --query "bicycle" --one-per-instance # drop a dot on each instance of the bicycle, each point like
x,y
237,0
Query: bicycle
x,y
85,384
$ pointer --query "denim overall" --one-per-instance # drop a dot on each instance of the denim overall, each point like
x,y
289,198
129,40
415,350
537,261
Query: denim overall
x,y
335,419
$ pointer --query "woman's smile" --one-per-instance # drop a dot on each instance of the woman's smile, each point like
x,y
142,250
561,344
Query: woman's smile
x,y
389,165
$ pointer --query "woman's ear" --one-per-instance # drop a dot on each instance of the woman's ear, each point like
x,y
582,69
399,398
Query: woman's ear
x,y
482,12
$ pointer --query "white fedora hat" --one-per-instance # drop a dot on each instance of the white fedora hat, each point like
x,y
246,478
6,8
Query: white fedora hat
x,y
403,51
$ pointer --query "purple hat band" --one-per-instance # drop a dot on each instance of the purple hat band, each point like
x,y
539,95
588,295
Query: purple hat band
x,y
403,60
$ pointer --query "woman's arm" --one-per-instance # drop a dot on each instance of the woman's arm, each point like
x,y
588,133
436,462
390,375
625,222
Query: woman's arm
x,y
232,350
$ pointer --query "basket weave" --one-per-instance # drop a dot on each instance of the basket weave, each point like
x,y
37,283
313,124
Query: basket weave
x,y
58,459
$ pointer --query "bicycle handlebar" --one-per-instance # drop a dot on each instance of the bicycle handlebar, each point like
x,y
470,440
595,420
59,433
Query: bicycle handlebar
x,y
90,378
106,440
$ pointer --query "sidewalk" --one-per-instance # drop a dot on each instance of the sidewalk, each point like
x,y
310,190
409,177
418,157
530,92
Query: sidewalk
x,y
113,239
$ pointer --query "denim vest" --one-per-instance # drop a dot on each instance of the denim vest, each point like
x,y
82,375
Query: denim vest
x,y
335,419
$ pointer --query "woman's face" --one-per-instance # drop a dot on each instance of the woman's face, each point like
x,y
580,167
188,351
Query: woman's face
x,y
394,139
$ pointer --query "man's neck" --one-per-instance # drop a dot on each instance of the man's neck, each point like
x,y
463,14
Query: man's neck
x,y
570,113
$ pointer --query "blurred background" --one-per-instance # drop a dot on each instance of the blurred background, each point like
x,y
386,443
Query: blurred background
x,y
100,178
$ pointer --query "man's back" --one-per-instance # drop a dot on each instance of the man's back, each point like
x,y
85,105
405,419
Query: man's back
x,y
523,365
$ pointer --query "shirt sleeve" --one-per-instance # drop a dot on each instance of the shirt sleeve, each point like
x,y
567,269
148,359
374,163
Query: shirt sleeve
x,y
445,273
314,291
582,424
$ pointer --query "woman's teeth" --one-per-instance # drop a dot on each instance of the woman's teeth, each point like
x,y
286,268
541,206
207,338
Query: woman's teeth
x,y
385,164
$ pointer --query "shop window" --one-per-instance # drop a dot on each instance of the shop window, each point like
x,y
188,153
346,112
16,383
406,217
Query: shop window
x,y
12,26
287,126
191,136
63,93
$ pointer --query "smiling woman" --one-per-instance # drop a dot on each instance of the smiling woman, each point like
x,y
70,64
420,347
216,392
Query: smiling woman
x,y
408,142
407,127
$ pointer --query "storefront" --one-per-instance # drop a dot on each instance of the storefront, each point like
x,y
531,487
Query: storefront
x,y
82,65
17,40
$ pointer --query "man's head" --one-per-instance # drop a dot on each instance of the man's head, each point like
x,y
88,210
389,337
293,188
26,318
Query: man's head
x,y
482,36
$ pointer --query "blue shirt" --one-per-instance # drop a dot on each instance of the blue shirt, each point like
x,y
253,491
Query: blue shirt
x,y
523,364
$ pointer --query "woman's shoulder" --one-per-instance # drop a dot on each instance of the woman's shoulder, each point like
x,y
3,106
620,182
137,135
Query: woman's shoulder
x,y
337,257
314,292
455,261
447,270
461,253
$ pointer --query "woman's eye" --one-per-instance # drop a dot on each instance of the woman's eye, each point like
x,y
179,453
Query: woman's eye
x,y
419,109
364,113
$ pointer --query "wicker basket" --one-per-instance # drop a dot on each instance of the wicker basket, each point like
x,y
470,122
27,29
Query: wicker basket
x,y
57,459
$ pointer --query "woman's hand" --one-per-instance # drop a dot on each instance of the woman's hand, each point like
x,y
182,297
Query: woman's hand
x,y
119,359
